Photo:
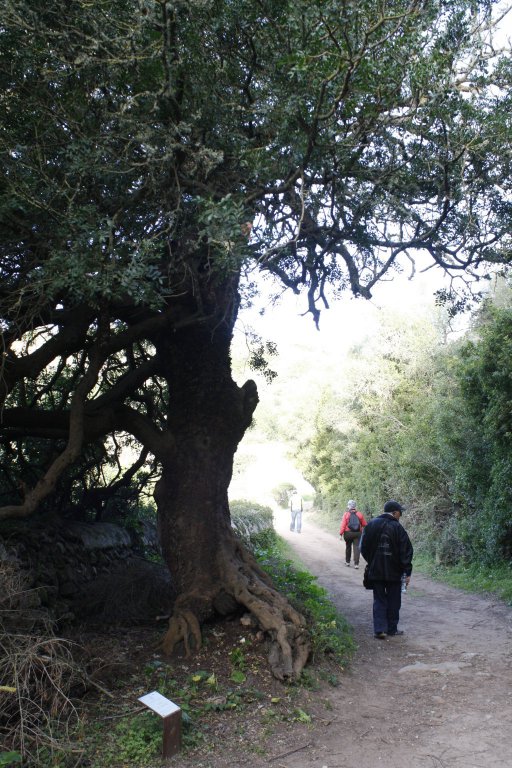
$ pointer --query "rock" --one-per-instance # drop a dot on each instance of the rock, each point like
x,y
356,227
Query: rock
x,y
443,668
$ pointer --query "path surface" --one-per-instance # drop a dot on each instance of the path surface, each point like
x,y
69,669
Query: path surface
x,y
438,697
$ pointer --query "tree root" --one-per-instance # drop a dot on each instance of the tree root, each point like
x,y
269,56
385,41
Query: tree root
x,y
289,643
183,627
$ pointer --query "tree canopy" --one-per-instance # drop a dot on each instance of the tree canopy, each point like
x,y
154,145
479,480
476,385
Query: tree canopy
x,y
156,153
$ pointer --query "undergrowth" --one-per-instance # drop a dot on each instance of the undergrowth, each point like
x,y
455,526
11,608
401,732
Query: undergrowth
x,y
227,681
472,577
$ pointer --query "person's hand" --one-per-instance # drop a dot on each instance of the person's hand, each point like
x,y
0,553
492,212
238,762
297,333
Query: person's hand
x,y
407,580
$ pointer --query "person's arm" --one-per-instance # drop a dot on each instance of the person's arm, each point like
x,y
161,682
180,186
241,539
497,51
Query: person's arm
x,y
343,525
406,555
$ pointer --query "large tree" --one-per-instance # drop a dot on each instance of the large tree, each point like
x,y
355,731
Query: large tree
x,y
156,153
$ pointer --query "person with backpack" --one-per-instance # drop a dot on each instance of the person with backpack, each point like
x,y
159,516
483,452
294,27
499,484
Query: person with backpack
x,y
352,524
386,547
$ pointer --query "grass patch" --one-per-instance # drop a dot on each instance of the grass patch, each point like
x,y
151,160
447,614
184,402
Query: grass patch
x,y
472,577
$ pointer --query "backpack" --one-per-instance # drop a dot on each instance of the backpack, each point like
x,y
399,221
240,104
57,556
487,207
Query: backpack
x,y
354,524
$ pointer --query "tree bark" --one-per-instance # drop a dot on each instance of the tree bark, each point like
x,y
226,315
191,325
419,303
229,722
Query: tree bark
x,y
214,574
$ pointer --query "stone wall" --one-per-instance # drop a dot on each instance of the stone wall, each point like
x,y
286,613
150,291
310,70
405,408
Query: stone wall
x,y
75,571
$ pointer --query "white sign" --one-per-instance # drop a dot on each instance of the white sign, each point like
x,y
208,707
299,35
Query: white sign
x,y
159,704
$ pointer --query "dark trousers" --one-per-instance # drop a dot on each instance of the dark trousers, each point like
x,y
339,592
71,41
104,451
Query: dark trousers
x,y
352,538
387,600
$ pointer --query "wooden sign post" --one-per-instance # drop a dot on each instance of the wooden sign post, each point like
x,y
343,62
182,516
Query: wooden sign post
x,y
171,716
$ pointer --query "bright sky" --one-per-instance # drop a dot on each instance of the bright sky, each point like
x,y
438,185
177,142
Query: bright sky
x,y
348,319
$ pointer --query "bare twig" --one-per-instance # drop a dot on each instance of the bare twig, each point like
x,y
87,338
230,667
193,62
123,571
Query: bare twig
x,y
290,752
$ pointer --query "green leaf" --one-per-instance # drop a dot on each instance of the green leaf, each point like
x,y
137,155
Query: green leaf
x,y
8,758
237,676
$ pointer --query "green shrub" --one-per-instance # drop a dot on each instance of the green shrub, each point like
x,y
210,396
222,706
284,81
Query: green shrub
x,y
9,758
450,548
250,520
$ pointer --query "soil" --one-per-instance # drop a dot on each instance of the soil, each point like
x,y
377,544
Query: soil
x,y
440,696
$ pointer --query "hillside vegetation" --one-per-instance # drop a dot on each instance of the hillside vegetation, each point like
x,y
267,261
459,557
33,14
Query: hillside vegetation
x,y
428,420
415,412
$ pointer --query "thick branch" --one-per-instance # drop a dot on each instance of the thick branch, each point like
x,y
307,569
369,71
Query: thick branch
x,y
73,447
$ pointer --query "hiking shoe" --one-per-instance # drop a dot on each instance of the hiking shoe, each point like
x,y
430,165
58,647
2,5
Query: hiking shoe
x,y
348,565
356,567
394,634
380,635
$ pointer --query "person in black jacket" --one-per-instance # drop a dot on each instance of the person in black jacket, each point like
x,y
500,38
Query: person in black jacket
x,y
387,549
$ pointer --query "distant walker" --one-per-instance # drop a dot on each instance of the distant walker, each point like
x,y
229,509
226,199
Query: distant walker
x,y
296,512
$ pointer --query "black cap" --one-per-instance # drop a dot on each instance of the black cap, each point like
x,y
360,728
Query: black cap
x,y
393,506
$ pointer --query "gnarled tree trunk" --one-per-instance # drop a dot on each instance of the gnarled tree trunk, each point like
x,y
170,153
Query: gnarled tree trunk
x,y
213,572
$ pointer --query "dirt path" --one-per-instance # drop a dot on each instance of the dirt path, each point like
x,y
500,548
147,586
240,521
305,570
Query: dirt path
x,y
438,697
